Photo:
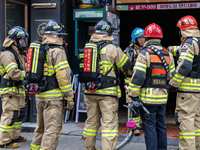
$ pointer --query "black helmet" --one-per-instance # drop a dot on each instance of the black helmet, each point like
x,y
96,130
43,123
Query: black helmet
x,y
104,27
55,27
17,32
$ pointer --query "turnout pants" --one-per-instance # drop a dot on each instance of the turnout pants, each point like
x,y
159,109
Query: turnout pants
x,y
97,107
50,117
11,118
136,117
154,128
188,109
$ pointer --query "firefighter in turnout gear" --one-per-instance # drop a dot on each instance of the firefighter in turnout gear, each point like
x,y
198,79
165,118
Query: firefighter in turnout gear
x,y
12,91
102,102
50,103
153,67
132,51
187,83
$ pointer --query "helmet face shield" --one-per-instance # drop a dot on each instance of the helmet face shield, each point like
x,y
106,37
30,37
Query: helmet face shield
x,y
22,45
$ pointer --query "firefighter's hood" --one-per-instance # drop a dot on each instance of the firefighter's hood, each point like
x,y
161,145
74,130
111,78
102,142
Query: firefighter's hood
x,y
151,40
7,42
190,33
52,39
98,37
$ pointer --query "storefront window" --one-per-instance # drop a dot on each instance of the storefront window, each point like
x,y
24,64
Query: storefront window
x,y
16,14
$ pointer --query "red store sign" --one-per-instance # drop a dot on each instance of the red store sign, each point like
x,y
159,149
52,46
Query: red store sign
x,y
159,6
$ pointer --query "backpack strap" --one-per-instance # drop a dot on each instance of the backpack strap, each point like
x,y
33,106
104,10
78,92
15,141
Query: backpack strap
x,y
162,58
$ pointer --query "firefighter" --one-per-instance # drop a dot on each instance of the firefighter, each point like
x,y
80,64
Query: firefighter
x,y
12,91
103,102
153,67
132,51
187,83
50,103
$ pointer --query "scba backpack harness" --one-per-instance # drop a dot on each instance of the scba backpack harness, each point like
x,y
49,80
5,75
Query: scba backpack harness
x,y
158,72
91,68
37,75
8,82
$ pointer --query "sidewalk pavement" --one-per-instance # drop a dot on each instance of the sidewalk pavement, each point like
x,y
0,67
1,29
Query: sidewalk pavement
x,y
71,138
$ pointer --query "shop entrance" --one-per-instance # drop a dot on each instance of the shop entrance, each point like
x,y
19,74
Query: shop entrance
x,y
167,20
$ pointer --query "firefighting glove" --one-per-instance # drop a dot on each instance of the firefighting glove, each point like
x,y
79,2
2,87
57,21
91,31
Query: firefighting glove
x,y
69,105
172,88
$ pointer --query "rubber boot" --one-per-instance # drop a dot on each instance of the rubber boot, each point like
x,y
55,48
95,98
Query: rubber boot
x,y
10,145
20,139
136,131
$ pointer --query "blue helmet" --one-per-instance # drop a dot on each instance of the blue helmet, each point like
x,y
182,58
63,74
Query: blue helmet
x,y
137,32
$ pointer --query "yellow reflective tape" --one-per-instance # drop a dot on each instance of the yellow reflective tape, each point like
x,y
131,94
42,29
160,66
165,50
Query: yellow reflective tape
x,y
193,81
197,132
50,70
133,87
187,135
187,56
119,93
35,147
66,88
189,86
2,70
122,61
17,124
35,45
10,66
178,78
109,132
12,89
50,93
153,98
56,26
35,60
103,50
23,75
5,128
171,68
136,119
91,132
94,60
81,55
175,50
81,65
110,90
61,65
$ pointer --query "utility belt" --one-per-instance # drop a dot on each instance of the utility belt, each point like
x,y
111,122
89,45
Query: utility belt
x,y
107,82
9,83
46,84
